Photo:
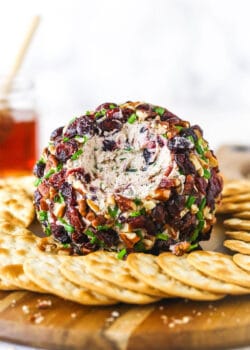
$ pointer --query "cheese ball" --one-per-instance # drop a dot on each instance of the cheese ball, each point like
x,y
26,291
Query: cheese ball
x,y
128,178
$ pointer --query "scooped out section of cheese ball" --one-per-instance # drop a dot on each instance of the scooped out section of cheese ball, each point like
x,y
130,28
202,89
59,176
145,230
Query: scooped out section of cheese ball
x,y
127,178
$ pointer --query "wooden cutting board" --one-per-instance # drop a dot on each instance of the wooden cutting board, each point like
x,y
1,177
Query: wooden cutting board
x,y
169,324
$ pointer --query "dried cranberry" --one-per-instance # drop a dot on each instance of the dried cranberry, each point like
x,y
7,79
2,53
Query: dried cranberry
x,y
109,237
65,150
179,144
126,113
189,185
142,222
88,247
79,237
68,193
75,219
184,163
105,105
60,233
81,126
114,113
201,184
167,115
39,169
159,213
110,125
37,198
109,145
214,188
56,180
185,222
80,174
175,205
167,183
56,133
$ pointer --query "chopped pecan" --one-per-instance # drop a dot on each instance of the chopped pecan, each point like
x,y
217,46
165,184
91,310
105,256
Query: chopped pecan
x,y
181,248
129,238
93,206
125,204
44,189
162,194
82,207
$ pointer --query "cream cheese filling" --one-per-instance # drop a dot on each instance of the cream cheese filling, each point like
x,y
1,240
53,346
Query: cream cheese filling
x,y
125,171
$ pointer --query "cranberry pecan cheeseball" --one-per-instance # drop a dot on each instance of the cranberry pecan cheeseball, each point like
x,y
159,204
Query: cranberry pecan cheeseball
x,y
127,178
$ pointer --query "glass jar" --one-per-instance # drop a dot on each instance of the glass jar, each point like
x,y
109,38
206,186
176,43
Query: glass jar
x,y
18,128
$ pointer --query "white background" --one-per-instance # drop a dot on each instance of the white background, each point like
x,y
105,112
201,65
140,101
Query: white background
x,y
191,56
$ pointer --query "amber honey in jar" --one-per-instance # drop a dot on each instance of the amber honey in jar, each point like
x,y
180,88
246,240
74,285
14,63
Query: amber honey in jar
x,y
18,129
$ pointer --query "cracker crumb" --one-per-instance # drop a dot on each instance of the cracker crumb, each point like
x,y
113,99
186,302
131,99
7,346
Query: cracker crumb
x,y
199,313
43,304
110,319
115,314
13,303
223,313
161,307
73,315
164,318
37,318
25,309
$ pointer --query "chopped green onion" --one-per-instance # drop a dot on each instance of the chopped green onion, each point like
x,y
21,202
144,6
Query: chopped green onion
x,y
88,113
199,215
132,118
139,233
195,234
37,182
111,106
139,247
159,110
113,212
76,154
66,245
69,228
162,236
178,127
165,135
72,120
190,201
203,203
49,173
131,170
207,174
121,253
48,230
192,247
128,149
59,167
89,233
137,201
190,138
43,215
118,224
65,139
201,225
41,161
59,198
134,214
103,228
100,113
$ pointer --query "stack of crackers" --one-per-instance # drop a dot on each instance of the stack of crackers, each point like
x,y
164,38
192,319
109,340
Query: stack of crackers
x,y
236,206
100,278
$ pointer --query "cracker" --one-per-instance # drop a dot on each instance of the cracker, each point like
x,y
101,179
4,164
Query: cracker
x,y
25,183
44,271
145,267
239,235
13,251
237,246
178,267
219,266
237,224
16,206
243,261
106,266
233,207
8,228
242,215
238,198
15,275
76,271
235,187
